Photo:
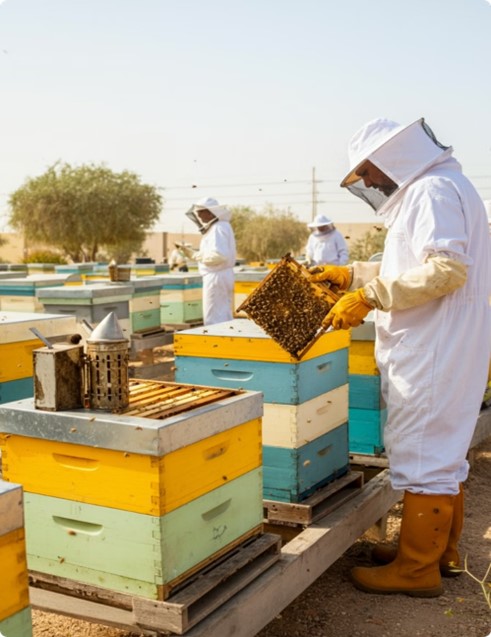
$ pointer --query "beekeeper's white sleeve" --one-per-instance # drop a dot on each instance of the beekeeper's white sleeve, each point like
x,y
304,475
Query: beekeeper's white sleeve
x,y
210,258
436,277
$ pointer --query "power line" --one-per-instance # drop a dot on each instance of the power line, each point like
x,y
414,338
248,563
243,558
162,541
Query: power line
x,y
255,184
275,183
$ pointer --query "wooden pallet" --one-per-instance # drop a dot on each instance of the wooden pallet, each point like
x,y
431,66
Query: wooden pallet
x,y
191,600
317,505
367,460
210,588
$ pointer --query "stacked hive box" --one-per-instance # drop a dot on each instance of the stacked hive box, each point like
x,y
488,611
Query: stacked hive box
x,y
135,502
90,302
245,282
75,268
367,410
40,268
20,268
19,294
10,274
148,269
181,299
305,430
15,612
17,343
145,304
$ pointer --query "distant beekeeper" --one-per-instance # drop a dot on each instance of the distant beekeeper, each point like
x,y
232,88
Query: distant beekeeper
x,y
216,259
325,244
433,338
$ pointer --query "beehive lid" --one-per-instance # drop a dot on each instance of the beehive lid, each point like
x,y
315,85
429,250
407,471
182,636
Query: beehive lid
x,y
289,306
161,417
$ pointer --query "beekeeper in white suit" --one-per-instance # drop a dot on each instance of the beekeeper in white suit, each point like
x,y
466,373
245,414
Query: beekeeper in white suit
x,y
325,244
433,328
216,258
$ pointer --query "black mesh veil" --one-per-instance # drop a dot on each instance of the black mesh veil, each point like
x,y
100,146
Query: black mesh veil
x,y
376,198
431,135
193,214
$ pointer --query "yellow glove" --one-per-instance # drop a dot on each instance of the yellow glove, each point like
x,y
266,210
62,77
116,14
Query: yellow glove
x,y
349,311
339,275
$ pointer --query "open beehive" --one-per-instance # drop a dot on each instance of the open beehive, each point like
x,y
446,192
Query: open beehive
x,y
160,400
290,307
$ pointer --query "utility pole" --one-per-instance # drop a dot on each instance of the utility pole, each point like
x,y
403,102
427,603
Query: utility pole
x,y
314,194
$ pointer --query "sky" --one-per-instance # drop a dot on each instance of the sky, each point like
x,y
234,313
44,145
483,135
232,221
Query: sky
x,y
252,102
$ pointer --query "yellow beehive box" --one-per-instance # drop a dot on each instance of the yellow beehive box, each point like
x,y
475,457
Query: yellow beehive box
x,y
361,358
131,481
14,585
131,462
17,341
242,339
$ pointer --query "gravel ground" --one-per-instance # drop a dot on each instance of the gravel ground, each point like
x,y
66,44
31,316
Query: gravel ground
x,y
331,607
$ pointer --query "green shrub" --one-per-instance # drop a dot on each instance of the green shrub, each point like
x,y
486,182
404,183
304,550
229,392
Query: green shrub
x,y
45,256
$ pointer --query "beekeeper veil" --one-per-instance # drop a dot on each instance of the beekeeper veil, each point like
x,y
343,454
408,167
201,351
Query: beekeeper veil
x,y
209,205
402,153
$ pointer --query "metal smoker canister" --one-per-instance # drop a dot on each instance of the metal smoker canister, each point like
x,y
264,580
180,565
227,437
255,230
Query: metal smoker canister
x,y
107,366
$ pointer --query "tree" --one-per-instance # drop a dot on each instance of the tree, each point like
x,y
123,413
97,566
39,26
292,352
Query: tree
x,y
81,210
3,242
369,244
267,235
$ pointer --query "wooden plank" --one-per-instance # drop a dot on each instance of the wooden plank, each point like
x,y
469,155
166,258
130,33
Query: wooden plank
x,y
366,460
73,588
317,505
52,602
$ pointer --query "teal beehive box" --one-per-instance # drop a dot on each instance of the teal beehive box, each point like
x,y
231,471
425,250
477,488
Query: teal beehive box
x,y
367,409
305,430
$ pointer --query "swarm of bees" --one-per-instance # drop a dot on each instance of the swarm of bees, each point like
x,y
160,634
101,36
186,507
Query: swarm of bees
x,y
289,307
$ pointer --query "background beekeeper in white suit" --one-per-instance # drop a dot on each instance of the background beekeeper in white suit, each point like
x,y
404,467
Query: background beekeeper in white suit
x,y
433,327
216,259
325,244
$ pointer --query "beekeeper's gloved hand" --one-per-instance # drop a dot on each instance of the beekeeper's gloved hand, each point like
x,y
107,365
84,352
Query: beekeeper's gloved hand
x,y
349,311
339,275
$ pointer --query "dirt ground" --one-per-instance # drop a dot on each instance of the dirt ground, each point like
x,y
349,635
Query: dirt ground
x,y
331,607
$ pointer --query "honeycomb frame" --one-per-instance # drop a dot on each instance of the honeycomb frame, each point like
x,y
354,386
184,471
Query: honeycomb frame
x,y
290,307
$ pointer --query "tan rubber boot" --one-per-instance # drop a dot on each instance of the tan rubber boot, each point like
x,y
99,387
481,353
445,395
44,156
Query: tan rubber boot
x,y
425,528
451,558
386,553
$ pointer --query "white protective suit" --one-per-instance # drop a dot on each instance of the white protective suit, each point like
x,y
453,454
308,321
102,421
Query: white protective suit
x,y
216,259
433,356
326,247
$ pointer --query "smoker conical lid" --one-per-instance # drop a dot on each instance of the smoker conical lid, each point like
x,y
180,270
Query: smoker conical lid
x,y
108,330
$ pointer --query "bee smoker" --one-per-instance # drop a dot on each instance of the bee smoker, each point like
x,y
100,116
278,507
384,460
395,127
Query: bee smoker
x,y
106,367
